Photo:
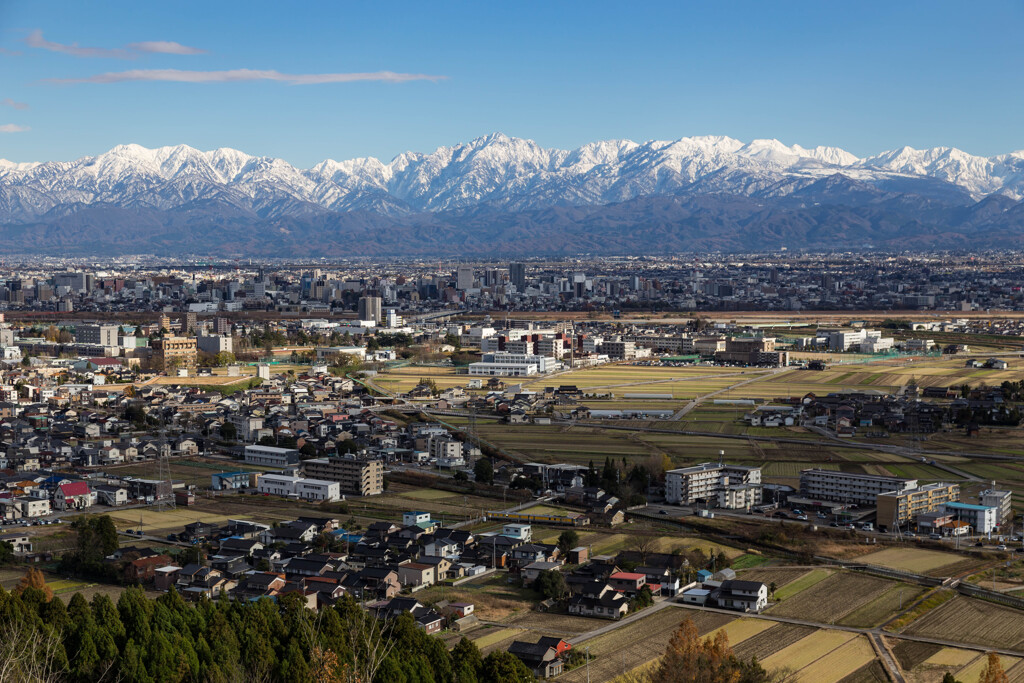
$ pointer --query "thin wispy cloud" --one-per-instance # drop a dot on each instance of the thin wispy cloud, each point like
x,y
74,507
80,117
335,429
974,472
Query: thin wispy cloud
x,y
165,47
36,40
13,128
242,75
9,53
8,102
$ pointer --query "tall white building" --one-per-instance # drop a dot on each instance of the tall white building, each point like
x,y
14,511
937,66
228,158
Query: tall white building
x,y
727,486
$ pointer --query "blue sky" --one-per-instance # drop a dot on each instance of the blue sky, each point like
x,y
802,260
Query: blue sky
x,y
865,76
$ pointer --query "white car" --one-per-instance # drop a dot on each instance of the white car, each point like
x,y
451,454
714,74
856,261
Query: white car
x,y
1001,546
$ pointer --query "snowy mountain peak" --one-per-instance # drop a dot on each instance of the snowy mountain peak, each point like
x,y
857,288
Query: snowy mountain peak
x,y
494,170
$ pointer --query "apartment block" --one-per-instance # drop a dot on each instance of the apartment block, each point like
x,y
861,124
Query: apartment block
x,y
357,475
897,508
1001,500
847,487
215,343
172,353
728,486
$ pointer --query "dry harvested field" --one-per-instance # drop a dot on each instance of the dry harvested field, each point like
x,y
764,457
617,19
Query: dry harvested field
x,y
562,444
636,644
780,576
493,600
768,642
428,494
830,600
914,560
943,658
841,662
566,624
742,629
884,606
160,522
972,621
808,650
972,672
912,654
619,377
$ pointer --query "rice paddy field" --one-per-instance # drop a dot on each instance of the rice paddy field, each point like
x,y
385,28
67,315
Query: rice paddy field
x,y
916,560
635,645
972,621
161,522
830,600
928,662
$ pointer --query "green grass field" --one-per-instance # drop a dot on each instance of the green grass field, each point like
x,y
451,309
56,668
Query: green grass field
x,y
804,582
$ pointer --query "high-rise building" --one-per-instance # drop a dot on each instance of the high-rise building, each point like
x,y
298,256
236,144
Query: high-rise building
x,y
464,278
370,308
517,275
222,326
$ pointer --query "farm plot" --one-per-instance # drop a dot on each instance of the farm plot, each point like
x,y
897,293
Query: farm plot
x,y
558,444
839,663
911,654
833,598
972,621
807,650
804,582
741,629
428,494
883,607
972,672
780,576
946,657
666,544
490,639
767,643
916,560
156,521
565,624
639,643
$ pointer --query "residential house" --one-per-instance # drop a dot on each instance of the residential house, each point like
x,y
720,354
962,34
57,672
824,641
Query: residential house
x,y
540,657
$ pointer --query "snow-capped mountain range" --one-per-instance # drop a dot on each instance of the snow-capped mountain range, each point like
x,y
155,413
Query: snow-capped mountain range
x,y
495,171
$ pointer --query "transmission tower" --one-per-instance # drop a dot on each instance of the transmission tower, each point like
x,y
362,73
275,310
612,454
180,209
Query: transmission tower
x,y
163,474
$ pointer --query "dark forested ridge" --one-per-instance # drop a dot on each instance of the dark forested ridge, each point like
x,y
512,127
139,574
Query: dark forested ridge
x,y
684,223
